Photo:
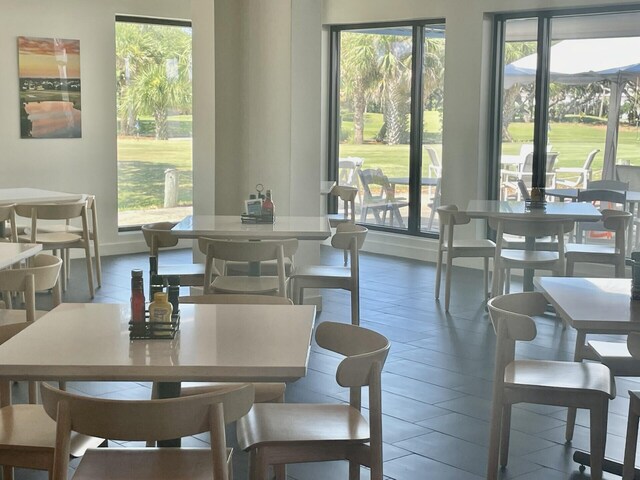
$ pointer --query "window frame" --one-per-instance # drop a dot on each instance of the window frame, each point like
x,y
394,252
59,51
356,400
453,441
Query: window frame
x,y
416,120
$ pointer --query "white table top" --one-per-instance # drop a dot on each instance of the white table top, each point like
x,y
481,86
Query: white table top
x,y
35,195
501,209
572,193
593,304
11,253
221,226
215,343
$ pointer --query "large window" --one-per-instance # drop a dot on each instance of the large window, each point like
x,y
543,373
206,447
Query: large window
x,y
386,121
153,75
569,88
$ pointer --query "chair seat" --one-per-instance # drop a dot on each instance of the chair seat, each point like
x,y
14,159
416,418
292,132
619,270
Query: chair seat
x,y
583,250
264,392
246,284
336,219
272,423
564,376
59,229
617,357
324,271
472,248
529,257
55,238
28,427
146,464
191,274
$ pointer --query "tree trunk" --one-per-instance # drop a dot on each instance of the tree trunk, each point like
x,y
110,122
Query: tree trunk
x,y
359,107
162,126
394,113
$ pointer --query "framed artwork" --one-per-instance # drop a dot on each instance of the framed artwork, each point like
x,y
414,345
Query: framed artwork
x,y
49,77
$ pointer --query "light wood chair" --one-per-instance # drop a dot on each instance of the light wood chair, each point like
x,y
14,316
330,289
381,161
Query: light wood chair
x,y
93,233
42,274
158,236
448,246
506,259
27,434
246,251
348,196
8,214
348,237
144,420
545,382
631,445
615,221
62,241
603,199
278,434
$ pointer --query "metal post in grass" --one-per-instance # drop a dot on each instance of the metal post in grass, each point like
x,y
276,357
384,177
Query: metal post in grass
x,y
170,188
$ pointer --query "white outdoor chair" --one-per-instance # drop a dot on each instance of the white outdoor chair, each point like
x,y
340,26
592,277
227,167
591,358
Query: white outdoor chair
x,y
448,246
435,167
281,433
573,177
545,382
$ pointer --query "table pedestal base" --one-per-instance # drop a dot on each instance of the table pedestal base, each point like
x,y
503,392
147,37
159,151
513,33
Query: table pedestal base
x,y
169,390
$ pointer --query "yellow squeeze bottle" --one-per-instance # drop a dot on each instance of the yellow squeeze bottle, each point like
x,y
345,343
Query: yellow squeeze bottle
x,y
160,309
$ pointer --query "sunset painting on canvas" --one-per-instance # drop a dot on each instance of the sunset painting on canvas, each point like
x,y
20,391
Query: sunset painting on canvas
x,y
49,71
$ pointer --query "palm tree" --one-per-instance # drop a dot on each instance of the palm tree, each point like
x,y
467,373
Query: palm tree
x,y
512,52
359,74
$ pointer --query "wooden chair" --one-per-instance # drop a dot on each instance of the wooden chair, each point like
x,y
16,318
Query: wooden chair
x,y
350,238
144,420
451,248
8,214
628,470
62,241
42,274
577,177
324,432
348,196
158,236
93,234
27,434
545,382
604,199
614,221
506,258
246,251
379,197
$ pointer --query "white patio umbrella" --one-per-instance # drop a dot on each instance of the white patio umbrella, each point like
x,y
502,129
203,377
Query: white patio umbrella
x,y
582,61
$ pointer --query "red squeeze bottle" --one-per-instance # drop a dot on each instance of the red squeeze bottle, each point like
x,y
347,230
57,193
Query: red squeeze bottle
x,y
137,296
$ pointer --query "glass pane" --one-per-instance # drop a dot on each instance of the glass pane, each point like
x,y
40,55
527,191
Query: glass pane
x,y
153,74
375,99
432,106
518,107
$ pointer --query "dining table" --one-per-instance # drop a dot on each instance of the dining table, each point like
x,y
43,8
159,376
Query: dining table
x,y
36,195
592,306
487,209
11,252
223,343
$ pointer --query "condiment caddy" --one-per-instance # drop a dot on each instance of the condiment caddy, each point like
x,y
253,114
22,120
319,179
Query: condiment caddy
x,y
259,208
162,319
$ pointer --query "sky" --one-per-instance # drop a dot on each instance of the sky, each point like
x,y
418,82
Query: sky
x,y
48,58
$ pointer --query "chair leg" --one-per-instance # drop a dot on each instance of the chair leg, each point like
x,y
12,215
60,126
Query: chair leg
x,y
486,279
447,282
87,253
258,467
96,254
571,422
280,471
504,435
598,426
33,392
354,471
346,257
355,305
63,273
438,273
494,439
506,280
497,273
570,267
631,444
7,473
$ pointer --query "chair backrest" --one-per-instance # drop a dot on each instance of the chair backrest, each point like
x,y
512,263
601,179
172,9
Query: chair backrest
x,y
449,217
348,234
145,420
347,171
633,344
601,195
590,158
435,168
54,211
527,165
158,235
41,274
222,299
524,193
511,318
348,196
629,174
382,188
531,227
617,221
608,185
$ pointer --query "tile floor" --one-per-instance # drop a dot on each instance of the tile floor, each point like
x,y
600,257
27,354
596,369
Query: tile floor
x,y
436,382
